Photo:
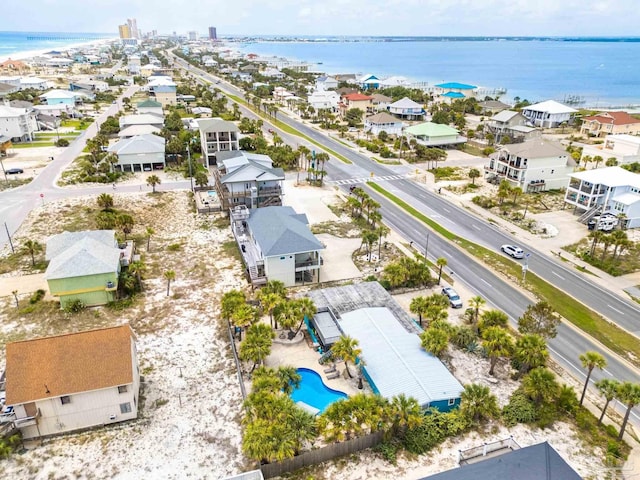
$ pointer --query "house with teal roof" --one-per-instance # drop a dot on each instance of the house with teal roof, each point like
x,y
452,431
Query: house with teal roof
x,y
432,134
455,90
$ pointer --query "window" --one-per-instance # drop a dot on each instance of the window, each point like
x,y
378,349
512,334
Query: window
x,y
125,407
452,401
122,389
65,400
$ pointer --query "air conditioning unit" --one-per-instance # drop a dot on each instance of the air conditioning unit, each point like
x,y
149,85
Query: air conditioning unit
x,y
112,417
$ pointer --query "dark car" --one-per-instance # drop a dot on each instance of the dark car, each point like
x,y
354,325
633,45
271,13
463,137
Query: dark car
x,y
14,171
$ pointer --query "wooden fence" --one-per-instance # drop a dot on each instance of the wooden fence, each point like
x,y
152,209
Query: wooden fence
x,y
320,455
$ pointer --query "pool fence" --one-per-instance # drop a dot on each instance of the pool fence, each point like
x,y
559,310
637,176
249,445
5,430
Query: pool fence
x,y
475,454
319,455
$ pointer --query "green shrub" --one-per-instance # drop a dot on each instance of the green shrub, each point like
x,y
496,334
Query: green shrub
x,y
174,247
37,296
484,202
547,415
519,410
488,151
463,336
62,142
434,429
75,306
388,450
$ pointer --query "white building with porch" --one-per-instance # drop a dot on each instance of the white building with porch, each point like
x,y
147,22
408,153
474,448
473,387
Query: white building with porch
x,y
534,165
549,114
139,153
610,190
277,244
217,135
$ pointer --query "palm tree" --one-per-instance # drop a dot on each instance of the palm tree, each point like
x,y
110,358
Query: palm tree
x,y
419,306
478,403
150,231
152,181
608,389
32,247
230,301
476,303
242,316
137,268
530,352
346,348
629,394
591,360
125,222
287,314
307,309
289,378
596,238
473,174
169,275
440,262
493,318
540,385
497,343
405,413
15,295
105,201
436,313
369,237
257,344
382,232
269,301
435,341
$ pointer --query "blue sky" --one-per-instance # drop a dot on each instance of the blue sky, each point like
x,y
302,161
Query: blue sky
x,y
334,17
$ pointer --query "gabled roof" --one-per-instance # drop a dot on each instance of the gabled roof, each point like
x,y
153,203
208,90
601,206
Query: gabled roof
x,y
149,104
85,257
505,115
379,98
59,94
382,118
357,97
550,106
613,118
233,159
536,462
281,231
216,125
405,102
62,241
67,364
133,130
139,145
494,104
368,76
609,176
253,172
6,88
11,112
142,119
431,129
537,148
456,86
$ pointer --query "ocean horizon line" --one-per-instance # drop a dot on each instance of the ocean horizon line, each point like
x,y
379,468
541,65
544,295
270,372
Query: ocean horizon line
x,y
427,38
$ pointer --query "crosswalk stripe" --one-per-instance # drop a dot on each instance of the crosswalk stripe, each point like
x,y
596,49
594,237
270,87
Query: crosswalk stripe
x,y
351,181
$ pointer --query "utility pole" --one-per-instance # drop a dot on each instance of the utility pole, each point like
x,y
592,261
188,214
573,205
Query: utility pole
x,y
9,236
190,168
426,248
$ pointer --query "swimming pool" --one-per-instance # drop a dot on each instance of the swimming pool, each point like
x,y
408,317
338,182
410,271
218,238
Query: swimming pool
x,y
212,193
314,392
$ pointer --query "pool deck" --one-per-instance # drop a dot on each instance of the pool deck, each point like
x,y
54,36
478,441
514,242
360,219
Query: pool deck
x,y
301,355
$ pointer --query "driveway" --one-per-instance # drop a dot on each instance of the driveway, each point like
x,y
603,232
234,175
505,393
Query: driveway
x,y
23,284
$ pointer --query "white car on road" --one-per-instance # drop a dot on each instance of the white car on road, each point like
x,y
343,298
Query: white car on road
x,y
513,251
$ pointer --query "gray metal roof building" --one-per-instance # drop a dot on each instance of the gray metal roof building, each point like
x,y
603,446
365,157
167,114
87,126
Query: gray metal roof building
x,y
395,361
536,462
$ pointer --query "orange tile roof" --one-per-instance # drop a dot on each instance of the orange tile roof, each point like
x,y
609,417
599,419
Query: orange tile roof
x,y
68,364
614,118
357,97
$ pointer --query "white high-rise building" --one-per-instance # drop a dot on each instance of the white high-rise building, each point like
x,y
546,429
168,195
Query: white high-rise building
x,y
133,27
193,36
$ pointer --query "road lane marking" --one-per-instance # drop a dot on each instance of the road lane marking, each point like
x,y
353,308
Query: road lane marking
x,y
615,309
483,280
559,276
476,227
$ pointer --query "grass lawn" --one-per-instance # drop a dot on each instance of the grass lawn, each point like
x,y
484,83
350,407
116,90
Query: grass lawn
x,y
33,144
610,335
77,124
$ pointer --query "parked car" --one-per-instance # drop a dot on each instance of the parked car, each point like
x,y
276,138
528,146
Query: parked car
x,y
454,299
14,171
513,251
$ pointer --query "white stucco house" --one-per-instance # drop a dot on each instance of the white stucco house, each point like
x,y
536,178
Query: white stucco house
x,y
217,135
324,99
249,179
141,119
549,114
36,83
624,148
18,124
534,165
406,108
513,125
277,244
73,381
326,83
383,122
610,190
139,153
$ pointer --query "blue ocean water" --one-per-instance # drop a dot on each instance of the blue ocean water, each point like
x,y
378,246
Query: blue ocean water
x,y
603,73
16,42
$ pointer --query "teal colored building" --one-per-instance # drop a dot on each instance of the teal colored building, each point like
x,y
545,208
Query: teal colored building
x,y
85,266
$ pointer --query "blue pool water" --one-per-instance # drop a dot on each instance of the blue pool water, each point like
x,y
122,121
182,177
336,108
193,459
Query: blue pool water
x,y
314,392
212,193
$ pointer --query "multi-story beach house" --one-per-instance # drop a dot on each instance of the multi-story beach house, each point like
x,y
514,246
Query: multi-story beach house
x,y
610,190
491,107
248,179
18,124
73,381
623,148
432,134
65,97
141,119
381,102
277,244
535,165
383,122
610,123
149,106
459,90
513,125
356,100
324,100
140,152
369,81
216,135
326,83
549,114
406,108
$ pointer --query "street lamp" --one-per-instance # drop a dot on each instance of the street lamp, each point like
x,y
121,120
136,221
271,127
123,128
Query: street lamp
x,y
426,248
190,168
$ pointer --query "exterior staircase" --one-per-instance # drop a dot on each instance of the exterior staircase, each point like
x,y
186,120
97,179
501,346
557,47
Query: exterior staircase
x,y
325,357
589,214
